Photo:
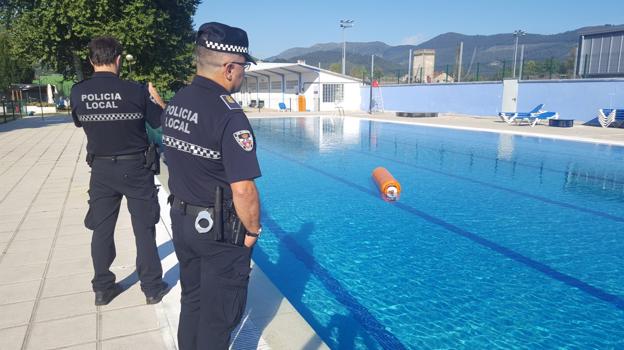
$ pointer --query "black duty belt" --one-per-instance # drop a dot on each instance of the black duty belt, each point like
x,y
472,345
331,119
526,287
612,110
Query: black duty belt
x,y
122,157
189,209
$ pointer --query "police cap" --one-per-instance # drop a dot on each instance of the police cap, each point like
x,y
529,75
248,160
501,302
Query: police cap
x,y
221,37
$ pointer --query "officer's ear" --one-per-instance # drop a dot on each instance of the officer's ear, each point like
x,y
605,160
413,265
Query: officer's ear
x,y
228,71
118,63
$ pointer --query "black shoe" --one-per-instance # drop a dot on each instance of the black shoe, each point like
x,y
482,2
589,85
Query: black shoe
x,y
158,296
105,297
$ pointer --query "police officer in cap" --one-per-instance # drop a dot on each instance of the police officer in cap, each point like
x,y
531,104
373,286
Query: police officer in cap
x,y
215,214
113,113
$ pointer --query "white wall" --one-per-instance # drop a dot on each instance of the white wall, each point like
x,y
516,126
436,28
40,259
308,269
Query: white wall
x,y
311,90
37,109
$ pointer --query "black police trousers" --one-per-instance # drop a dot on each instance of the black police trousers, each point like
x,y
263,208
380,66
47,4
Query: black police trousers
x,y
214,277
110,180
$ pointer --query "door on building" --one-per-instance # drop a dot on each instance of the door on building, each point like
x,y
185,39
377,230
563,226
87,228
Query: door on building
x,y
510,95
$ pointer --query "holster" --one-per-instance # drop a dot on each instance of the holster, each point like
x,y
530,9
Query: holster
x,y
237,230
90,158
152,158
227,226
234,226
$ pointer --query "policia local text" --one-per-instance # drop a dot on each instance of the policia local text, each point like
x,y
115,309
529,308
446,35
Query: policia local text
x,y
103,100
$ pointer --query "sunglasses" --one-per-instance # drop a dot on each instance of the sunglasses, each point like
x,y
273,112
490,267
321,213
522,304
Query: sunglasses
x,y
245,65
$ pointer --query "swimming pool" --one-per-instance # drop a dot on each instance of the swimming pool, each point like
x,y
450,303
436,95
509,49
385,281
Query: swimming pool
x,y
497,241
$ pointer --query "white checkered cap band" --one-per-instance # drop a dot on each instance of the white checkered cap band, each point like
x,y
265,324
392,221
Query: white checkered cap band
x,y
190,148
109,117
225,47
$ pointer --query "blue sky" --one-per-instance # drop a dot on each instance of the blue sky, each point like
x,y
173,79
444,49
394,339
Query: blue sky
x,y
277,25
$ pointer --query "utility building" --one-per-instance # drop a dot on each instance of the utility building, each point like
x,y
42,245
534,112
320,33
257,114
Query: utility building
x,y
600,53
423,65
299,87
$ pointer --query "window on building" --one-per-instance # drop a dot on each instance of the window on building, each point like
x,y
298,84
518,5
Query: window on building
x,y
292,85
276,85
333,92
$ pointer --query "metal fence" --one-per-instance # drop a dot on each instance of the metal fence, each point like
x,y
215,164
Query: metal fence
x,y
496,70
12,110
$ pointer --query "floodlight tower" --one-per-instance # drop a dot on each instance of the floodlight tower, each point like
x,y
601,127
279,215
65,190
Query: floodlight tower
x,y
344,24
517,33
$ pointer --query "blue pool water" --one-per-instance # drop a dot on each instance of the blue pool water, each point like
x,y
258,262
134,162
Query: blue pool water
x,y
497,241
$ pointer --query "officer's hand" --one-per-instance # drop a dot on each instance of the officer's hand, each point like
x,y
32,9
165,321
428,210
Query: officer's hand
x,y
250,241
154,93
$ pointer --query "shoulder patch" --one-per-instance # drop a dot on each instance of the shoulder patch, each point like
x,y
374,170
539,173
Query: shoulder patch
x,y
244,139
230,102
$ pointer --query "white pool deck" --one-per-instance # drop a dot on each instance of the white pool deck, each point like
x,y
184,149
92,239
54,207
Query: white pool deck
x,y
45,267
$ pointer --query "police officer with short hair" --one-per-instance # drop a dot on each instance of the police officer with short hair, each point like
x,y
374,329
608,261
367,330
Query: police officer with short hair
x,y
113,113
215,213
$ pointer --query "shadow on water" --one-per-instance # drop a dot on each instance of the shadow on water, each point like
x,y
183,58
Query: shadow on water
x,y
296,265
171,276
35,122
283,268
344,336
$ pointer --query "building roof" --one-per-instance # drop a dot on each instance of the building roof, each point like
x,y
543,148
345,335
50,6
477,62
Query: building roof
x,y
603,30
279,69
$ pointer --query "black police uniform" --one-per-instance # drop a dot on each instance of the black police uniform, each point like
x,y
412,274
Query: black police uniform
x,y
112,113
209,143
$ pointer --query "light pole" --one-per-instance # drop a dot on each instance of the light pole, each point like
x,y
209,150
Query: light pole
x,y
130,60
517,34
344,24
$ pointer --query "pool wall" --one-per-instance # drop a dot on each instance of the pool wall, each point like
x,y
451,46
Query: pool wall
x,y
572,99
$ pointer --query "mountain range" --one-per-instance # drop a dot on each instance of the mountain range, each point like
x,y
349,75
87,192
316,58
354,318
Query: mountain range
x,y
488,51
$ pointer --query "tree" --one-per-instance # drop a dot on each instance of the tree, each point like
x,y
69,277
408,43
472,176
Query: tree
x,y
359,72
158,34
12,70
335,67
11,9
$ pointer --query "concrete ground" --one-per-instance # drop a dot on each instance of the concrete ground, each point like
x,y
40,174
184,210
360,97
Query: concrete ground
x,y
46,300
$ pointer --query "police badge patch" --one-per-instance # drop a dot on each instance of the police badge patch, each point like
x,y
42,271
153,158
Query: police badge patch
x,y
244,139
230,102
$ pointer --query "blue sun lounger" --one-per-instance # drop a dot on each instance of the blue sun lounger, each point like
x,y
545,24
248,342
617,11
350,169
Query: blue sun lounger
x,y
509,117
535,118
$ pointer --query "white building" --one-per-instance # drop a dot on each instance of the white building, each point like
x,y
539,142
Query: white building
x,y
299,86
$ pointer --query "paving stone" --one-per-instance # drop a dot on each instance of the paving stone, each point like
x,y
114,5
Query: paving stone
x,y
30,245
12,338
89,346
128,321
5,236
32,258
23,273
70,267
42,233
17,314
71,252
72,240
143,341
19,292
77,283
65,306
63,333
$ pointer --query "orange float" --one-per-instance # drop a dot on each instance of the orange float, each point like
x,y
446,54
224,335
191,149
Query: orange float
x,y
389,187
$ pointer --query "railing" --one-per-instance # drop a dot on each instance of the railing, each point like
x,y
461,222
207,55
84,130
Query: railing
x,y
12,110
